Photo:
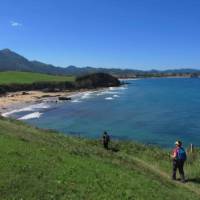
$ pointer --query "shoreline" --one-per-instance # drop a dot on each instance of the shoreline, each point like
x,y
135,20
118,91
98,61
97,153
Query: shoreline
x,y
16,100
21,99
48,100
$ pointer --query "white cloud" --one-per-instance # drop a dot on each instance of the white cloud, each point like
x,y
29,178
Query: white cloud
x,y
15,24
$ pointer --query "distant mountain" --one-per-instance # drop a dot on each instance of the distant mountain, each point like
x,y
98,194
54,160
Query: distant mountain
x,y
113,71
11,61
184,71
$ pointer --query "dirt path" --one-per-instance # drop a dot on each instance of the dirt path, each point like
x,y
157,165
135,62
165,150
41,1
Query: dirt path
x,y
162,174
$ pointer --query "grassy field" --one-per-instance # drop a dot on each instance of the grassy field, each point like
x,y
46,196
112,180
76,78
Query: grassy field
x,y
38,164
28,77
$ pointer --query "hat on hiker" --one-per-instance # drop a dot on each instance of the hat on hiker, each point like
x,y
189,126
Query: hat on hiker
x,y
178,142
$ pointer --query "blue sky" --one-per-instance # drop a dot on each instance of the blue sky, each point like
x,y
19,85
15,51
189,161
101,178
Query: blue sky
x,y
140,34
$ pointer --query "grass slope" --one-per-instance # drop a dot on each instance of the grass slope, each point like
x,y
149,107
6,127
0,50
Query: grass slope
x,y
38,164
28,77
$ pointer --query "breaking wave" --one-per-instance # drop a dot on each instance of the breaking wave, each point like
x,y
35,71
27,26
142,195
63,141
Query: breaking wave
x,y
28,108
109,98
31,116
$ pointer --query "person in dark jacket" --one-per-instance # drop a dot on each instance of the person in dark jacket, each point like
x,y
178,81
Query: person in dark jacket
x,y
179,158
105,140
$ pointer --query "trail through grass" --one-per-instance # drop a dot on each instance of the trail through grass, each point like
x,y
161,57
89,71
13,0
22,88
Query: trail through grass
x,y
153,169
38,164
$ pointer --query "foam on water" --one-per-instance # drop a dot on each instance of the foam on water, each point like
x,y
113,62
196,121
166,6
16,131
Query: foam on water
x,y
81,96
107,92
124,87
31,116
75,101
28,108
109,98
111,90
129,79
78,97
86,95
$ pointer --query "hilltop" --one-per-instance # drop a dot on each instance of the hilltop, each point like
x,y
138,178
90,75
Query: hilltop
x,y
11,61
40,164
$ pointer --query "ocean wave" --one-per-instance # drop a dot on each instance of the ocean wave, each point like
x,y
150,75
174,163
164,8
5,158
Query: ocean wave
x,y
111,90
86,95
78,97
107,92
31,116
129,79
109,98
81,95
28,108
124,87
76,101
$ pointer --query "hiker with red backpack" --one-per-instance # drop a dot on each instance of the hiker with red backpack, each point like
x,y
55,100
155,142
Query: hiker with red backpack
x,y
179,157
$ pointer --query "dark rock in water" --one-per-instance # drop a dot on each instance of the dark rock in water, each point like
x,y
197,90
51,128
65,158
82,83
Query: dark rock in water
x,y
25,93
97,80
46,96
64,98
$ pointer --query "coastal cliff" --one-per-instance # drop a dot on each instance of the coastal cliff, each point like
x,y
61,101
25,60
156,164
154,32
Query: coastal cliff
x,y
96,80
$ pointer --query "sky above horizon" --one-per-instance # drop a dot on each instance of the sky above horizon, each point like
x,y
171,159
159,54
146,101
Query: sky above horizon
x,y
137,34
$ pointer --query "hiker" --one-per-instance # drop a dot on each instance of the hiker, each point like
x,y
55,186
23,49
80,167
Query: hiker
x,y
105,140
179,157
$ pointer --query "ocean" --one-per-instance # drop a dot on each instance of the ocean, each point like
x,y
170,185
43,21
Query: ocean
x,y
154,111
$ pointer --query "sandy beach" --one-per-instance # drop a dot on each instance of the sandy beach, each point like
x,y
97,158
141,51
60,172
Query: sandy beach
x,y
14,99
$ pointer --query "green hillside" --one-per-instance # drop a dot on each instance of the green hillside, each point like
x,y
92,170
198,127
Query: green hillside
x,y
38,164
28,77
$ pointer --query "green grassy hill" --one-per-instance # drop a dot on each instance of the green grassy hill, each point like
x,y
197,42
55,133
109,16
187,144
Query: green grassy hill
x,y
38,164
28,77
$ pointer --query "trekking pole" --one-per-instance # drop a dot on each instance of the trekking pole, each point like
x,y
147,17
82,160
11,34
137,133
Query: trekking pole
x,y
169,154
191,148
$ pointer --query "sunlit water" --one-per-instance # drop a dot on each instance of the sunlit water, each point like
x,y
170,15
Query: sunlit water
x,y
153,111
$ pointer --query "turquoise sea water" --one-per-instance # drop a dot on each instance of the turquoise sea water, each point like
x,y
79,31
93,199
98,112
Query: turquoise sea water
x,y
153,111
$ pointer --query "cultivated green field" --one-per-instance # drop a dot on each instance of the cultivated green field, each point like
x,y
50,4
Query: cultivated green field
x,y
28,77
37,164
